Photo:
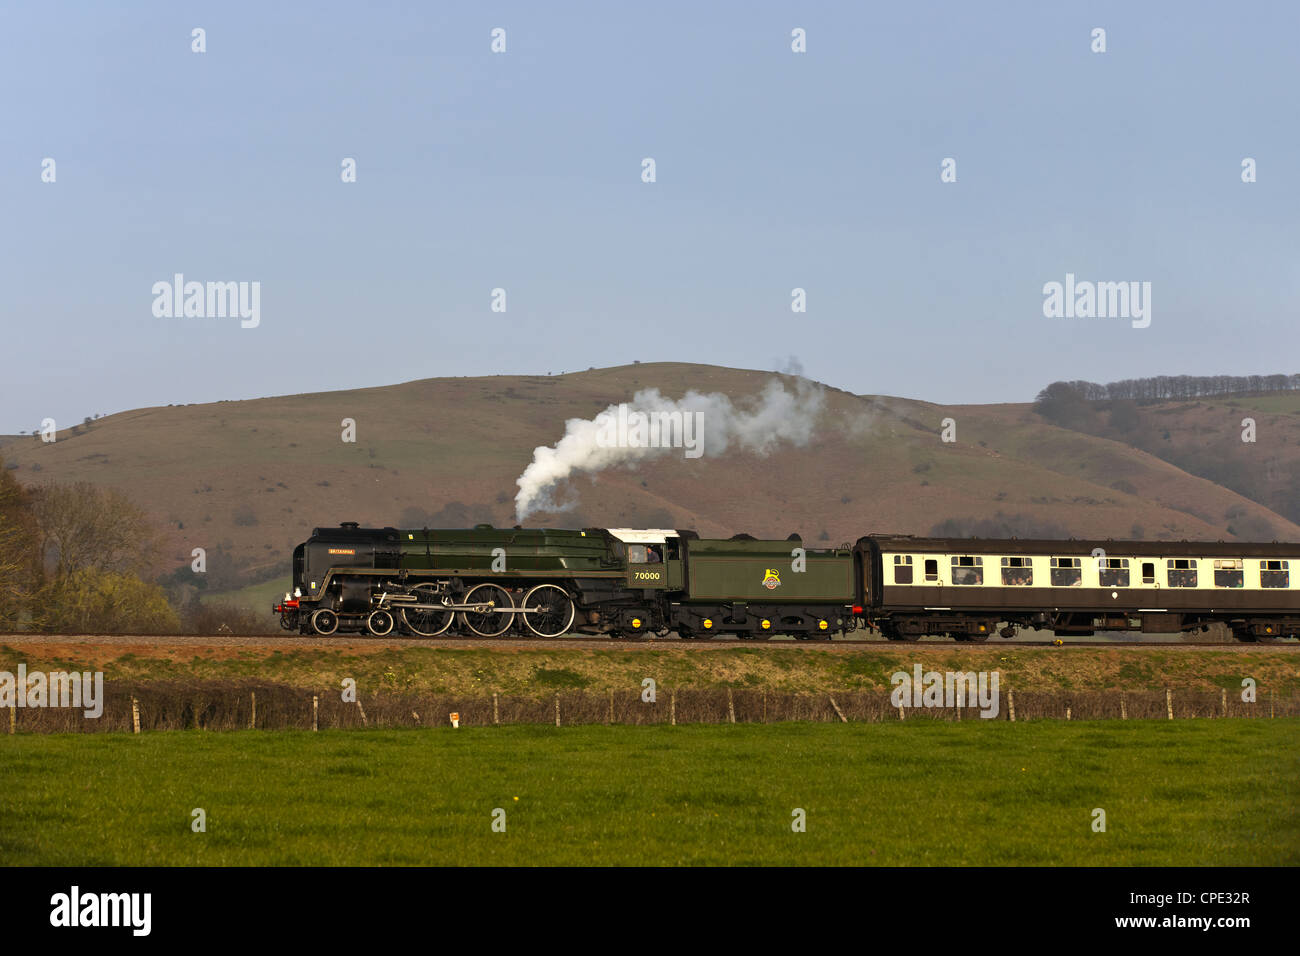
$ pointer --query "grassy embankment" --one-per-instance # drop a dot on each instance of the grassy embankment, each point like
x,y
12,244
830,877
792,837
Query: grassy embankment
x,y
468,671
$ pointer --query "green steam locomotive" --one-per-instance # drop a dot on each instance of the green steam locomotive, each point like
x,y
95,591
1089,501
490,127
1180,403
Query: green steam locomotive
x,y
489,581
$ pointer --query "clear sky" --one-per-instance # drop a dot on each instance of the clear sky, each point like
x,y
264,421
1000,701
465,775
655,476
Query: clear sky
x,y
522,171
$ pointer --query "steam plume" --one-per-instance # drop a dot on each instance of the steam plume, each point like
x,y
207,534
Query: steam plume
x,y
759,424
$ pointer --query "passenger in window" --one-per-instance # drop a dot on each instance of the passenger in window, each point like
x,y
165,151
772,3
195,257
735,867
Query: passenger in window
x,y
1113,577
1066,577
1274,579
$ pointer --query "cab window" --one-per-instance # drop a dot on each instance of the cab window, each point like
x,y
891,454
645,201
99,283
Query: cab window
x,y
636,554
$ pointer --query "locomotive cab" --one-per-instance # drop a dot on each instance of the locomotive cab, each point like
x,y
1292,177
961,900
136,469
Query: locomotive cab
x,y
654,557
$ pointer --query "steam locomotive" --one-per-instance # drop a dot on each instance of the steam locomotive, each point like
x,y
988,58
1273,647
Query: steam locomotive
x,y
623,582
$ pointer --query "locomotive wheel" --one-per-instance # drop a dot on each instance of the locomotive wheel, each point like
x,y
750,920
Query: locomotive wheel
x,y
324,621
556,610
493,623
380,623
427,623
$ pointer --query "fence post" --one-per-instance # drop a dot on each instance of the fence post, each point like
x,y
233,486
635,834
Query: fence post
x,y
843,719
1225,701
1067,712
611,705
252,721
672,708
1270,703
1011,705
135,715
1169,703
13,719
315,700
731,708
364,722
1123,707
557,709
496,712
901,716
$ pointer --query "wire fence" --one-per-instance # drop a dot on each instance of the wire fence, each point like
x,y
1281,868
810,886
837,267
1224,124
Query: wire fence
x,y
232,705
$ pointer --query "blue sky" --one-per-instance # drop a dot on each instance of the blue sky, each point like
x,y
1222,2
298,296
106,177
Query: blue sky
x,y
522,170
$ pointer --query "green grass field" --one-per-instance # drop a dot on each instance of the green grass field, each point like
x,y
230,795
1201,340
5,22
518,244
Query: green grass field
x,y
1210,792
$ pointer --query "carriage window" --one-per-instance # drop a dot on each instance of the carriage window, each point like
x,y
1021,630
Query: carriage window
x,y
1113,573
1229,573
1274,574
1148,572
967,570
902,569
1017,572
931,569
1182,573
1067,572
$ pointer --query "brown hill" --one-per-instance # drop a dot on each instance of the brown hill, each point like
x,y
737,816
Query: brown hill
x,y
249,479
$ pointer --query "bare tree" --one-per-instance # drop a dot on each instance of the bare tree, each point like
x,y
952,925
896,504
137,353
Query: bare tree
x,y
83,527
17,551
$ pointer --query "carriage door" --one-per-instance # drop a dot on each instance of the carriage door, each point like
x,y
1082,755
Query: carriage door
x,y
930,572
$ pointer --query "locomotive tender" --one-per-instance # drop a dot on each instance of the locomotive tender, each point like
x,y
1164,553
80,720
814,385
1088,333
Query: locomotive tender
x,y
623,582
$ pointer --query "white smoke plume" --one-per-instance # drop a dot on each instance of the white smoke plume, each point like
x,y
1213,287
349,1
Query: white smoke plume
x,y
759,424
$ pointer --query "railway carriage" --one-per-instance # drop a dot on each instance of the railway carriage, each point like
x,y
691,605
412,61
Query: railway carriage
x,y
968,588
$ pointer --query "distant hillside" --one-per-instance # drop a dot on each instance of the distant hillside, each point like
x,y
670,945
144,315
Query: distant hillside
x,y
1201,436
248,480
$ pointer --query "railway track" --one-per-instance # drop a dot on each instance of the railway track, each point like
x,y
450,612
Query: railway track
x,y
280,642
